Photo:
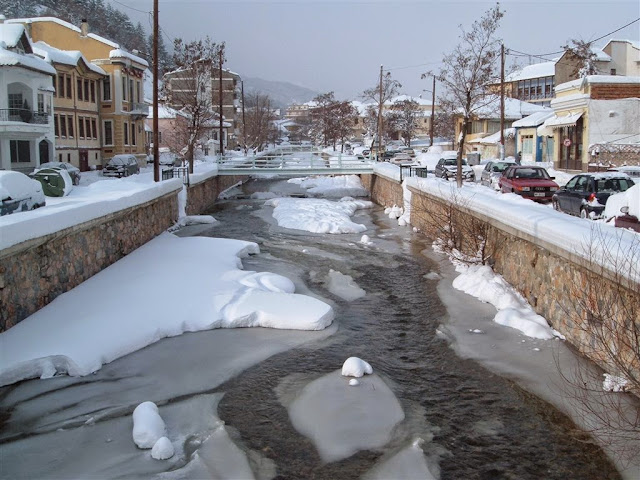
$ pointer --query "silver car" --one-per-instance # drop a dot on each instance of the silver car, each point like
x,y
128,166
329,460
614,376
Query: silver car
x,y
493,171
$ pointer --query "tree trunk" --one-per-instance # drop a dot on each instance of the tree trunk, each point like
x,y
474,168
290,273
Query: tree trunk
x,y
463,134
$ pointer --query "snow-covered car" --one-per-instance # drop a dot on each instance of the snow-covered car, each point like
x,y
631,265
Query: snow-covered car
x,y
632,170
121,166
73,171
19,193
447,168
401,159
624,208
586,194
409,151
492,172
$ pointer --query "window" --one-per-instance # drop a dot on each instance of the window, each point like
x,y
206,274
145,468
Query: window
x,y
106,88
493,127
124,88
126,133
159,137
131,97
60,85
70,126
138,92
108,132
40,103
477,126
15,103
86,90
527,144
79,89
63,126
68,79
93,128
20,151
80,127
133,134
93,92
548,87
55,125
613,71
88,127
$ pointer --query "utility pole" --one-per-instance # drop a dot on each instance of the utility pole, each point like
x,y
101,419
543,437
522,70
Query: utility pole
x,y
220,94
156,147
502,102
244,130
379,120
433,109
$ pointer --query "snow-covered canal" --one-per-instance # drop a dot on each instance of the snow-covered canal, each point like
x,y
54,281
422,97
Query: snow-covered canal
x,y
265,403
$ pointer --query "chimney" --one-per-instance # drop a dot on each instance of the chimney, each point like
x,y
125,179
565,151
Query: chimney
x,y
84,27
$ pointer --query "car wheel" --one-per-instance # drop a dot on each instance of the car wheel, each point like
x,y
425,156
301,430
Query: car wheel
x,y
584,213
76,181
556,207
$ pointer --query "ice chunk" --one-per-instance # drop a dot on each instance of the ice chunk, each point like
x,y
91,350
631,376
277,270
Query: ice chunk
x,y
356,367
162,449
148,426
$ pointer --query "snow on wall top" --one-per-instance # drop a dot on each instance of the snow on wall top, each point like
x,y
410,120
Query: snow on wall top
x,y
44,19
599,79
544,69
402,98
513,108
120,53
67,57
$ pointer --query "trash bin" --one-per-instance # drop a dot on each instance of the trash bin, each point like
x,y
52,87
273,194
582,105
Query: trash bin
x,y
473,158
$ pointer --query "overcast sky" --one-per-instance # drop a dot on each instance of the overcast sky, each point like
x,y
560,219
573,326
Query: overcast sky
x,y
339,45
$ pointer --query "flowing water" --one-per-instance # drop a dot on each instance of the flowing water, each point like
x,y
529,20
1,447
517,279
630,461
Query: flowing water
x,y
482,426
476,424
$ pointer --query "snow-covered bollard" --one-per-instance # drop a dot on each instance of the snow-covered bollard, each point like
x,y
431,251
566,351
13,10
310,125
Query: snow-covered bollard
x,y
148,426
365,240
355,367
162,449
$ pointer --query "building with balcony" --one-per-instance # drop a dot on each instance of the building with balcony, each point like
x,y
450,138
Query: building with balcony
x,y
76,106
120,94
26,88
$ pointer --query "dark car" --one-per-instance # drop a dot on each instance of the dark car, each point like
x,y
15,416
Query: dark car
x,y
447,168
492,172
586,195
74,172
19,193
121,166
529,181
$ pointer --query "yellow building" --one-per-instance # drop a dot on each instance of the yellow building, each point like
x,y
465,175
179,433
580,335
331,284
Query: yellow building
x,y
76,105
595,121
122,109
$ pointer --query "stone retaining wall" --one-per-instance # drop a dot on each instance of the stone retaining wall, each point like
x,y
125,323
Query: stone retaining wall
x,y
35,272
384,191
203,195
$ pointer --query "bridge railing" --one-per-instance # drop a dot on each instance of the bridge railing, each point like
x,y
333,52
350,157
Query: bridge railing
x,y
294,160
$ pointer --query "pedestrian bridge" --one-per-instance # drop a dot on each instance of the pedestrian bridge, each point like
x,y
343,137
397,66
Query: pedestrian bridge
x,y
293,160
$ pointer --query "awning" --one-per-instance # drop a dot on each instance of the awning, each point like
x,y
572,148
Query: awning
x,y
564,121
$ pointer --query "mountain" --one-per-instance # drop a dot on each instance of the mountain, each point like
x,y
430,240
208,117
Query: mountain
x,y
282,94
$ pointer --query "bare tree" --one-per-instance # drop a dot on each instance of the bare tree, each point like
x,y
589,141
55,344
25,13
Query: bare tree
x,y
443,122
380,96
189,87
469,69
584,56
323,118
408,114
345,116
259,117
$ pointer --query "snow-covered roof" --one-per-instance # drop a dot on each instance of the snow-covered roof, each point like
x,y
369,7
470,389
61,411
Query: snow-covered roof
x,y
402,98
165,112
44,19
494,138
30,61
600,55
634,43
66,57
11,34
562,121
532,120
544,69
591,79
361,107
514,109
120,53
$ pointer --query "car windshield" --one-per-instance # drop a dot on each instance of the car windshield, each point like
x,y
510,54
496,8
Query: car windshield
x,y
52,165
531,173
613,184
117,161
449,161
500,166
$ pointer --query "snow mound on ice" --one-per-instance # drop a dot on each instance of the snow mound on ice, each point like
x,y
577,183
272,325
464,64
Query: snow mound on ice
x,y
355,367
148,426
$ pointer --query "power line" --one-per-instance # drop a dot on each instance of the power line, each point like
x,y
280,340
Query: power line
x,y
132,8
411,66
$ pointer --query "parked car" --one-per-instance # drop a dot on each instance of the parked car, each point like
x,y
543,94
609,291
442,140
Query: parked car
x,y
401,159
492,172
19,193
529,181
74,172
586,194
632,171
366,153
121,166
409,151
447,168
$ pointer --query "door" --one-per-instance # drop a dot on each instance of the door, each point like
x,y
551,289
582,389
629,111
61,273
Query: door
x,y
84,161
564,197
43,147
577,194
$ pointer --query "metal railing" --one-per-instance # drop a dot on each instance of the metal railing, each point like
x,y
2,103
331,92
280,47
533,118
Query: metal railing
x,y
176,172
139,108
23,115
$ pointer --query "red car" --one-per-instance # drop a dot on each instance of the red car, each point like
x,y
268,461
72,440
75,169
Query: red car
x,y
528,181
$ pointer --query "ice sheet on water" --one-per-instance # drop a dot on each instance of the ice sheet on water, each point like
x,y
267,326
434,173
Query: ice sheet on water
x,y
343,286
409,463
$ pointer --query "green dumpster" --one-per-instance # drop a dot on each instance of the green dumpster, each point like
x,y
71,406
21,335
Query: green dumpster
x,y
55,182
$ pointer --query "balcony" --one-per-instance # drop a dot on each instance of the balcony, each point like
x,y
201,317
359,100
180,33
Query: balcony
x,y
23,115
138,109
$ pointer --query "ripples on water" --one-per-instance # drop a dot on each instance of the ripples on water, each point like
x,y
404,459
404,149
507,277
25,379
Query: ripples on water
x,y
483,426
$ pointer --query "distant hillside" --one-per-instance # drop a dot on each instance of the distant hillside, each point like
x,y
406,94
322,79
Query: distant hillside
x,y
283,94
